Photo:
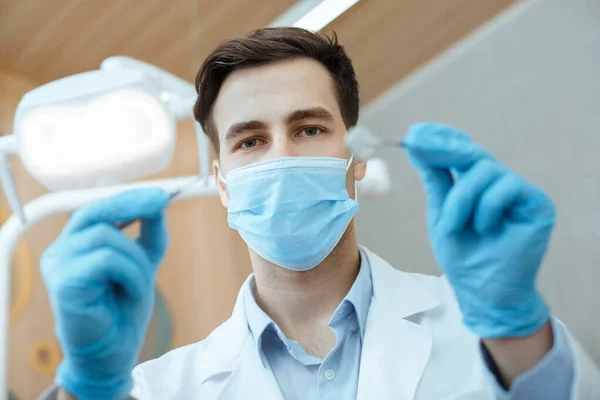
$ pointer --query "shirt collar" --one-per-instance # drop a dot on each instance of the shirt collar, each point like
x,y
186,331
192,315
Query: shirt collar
x,y
258,320
358,297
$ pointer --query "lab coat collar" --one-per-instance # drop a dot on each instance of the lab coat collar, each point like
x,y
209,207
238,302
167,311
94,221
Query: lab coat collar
x,y
226,343
404,295
395,350
230,347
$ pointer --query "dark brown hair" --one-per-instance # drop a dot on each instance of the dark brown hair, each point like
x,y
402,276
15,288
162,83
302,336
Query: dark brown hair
x,y
267,45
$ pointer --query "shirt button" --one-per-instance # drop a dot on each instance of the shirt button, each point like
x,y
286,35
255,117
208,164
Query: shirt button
x,y
352,325
329,374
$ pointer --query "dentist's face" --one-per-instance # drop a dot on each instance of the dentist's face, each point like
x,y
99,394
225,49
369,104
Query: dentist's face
x,y
283,109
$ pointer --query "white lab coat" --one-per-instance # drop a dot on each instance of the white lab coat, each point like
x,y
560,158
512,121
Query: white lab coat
x,y
415,347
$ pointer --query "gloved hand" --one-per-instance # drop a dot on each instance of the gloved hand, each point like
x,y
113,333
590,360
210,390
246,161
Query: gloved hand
x,y
101,288
489,230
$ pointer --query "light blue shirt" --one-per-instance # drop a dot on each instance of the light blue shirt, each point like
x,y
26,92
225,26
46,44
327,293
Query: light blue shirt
x,y
301,376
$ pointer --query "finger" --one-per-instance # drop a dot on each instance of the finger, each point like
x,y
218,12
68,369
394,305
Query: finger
x,y
154,237
497,199
437,183
129,205
104,236
108,268
441,146
462,198
533,206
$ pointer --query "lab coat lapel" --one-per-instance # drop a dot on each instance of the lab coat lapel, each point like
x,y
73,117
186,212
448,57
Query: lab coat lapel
x,y
253,381
234,369
395,350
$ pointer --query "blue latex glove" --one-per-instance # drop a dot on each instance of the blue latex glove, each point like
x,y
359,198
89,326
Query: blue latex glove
x,y
489,230
101,288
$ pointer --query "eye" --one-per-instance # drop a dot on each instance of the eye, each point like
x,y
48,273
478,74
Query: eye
x,y
250,143
311,131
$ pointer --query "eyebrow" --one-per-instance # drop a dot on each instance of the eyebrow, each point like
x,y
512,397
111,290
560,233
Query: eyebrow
x,y
309,113
239,128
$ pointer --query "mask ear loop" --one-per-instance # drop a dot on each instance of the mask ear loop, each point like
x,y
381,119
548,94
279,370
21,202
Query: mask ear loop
x,y
223,181
347,168
221,176
349,162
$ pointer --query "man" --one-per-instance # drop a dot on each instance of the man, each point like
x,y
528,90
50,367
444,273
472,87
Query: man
x,y
321,317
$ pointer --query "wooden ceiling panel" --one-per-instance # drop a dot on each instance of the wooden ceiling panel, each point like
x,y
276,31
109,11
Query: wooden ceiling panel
x,y
116,30
387,40
47,40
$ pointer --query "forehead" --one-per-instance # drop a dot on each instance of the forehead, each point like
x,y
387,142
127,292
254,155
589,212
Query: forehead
x,y
269,92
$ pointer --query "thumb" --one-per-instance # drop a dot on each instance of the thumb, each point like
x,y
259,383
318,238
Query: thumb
x,y
437,183
154,237
436,180
125,206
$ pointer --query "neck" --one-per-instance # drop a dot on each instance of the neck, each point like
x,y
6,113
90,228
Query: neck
x,y
301,303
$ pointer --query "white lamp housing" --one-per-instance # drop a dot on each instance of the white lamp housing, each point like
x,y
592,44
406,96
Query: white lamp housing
x,y
94,129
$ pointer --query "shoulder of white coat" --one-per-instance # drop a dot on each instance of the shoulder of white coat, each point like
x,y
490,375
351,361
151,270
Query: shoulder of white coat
x,y
437,286
157,375
453,343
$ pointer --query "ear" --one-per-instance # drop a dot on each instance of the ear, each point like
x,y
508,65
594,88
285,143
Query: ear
x,y
220,185
360,170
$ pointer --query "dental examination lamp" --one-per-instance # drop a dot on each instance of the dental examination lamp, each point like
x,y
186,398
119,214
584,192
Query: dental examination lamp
x,y
99,128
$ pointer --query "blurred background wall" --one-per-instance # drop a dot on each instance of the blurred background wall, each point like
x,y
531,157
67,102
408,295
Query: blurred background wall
x,y
517,75
527,87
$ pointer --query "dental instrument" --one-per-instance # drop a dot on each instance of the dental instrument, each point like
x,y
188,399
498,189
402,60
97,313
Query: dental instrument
x,y
173,195
364,144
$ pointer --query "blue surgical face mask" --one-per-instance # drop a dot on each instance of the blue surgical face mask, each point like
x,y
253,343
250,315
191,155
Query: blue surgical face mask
x,y
291,211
